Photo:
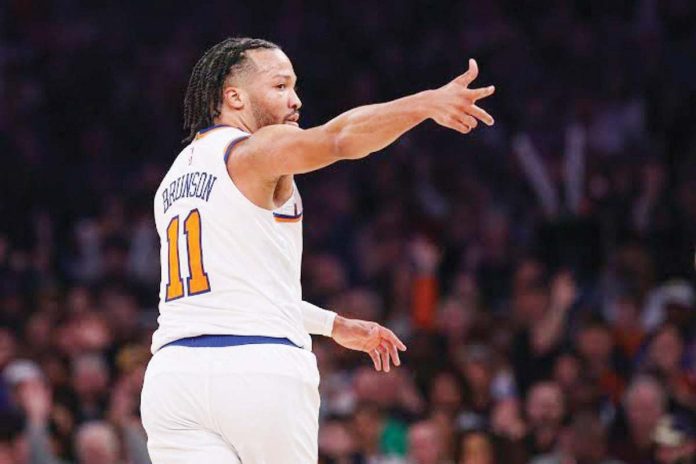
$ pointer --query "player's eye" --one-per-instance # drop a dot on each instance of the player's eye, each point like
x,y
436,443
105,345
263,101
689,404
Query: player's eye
x,y
281,86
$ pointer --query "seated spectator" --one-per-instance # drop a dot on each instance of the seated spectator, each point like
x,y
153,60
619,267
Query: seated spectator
x,y
601,365
665,360
545,407
645,404
626,324
585,442
425,444
336,444
510,430
541,311
96,443
476,447
477,368
368,423
452,241
446,393
90,382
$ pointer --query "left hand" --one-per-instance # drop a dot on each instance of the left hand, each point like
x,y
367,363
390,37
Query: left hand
x,y
377,341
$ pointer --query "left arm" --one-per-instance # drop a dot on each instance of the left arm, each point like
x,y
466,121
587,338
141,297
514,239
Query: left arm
x,y
317,321
547,334
380,343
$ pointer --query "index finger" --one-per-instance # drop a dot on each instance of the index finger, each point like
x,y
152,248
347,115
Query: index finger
x,y
391,336
471,74
483,92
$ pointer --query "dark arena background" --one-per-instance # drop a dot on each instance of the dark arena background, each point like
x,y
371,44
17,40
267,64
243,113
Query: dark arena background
x,y
541,271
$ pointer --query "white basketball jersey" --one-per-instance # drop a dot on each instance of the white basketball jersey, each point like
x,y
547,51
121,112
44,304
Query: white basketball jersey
x,y
228,266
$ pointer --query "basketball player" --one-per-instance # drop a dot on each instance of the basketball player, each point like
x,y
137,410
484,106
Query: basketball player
x,y
233,378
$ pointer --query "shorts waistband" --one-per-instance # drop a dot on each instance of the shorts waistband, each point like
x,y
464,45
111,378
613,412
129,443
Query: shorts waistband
x,y
218,341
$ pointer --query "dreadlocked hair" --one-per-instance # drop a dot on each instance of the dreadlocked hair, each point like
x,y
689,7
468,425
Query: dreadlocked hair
x,y
204,93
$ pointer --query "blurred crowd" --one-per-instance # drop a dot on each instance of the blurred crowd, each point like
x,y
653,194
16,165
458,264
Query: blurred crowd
x,y
540,271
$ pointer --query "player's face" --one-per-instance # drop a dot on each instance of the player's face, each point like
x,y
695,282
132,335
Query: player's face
x,y
271,89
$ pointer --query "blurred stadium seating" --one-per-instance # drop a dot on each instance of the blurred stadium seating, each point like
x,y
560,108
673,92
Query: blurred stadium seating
x,y
541,271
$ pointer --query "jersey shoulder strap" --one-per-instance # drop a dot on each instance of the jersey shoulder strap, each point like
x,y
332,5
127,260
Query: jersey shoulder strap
x,y
220,139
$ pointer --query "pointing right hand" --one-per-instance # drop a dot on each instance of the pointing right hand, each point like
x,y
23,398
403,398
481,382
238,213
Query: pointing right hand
x,y
455,102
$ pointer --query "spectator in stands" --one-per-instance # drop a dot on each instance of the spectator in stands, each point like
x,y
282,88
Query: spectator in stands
x,y
585,442
545,408
645,404
559,243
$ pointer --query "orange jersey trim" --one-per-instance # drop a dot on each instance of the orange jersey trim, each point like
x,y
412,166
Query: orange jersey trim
x,y
207,131
287,219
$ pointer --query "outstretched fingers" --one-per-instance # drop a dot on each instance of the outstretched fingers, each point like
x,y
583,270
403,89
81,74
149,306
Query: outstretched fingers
x,y
384,353
376,360
391,337
458,108
471,73
457,124
394,352
387,350
393,345
468,120
478,94
480,114
394,339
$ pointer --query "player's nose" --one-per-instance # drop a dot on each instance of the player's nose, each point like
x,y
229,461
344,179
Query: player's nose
x,y
295,102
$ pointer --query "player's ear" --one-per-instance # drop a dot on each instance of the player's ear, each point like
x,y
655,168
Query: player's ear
x,y
232,96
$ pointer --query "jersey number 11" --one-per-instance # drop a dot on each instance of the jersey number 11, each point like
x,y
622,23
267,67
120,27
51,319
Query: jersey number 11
x,y
197,282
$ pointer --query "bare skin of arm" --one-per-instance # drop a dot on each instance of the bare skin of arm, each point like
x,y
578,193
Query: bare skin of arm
x,y
261,166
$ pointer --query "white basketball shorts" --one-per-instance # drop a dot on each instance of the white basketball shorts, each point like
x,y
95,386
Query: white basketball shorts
x,y
248,404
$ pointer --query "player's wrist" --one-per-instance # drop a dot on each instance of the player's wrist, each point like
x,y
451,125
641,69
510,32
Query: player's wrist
x,y
426,103
339,323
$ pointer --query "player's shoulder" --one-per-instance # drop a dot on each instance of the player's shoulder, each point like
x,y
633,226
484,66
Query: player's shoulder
x,y
274,132
218,139
219,133
274,138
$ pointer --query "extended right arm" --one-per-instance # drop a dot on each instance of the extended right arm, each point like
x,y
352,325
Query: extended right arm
x,y
278,150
